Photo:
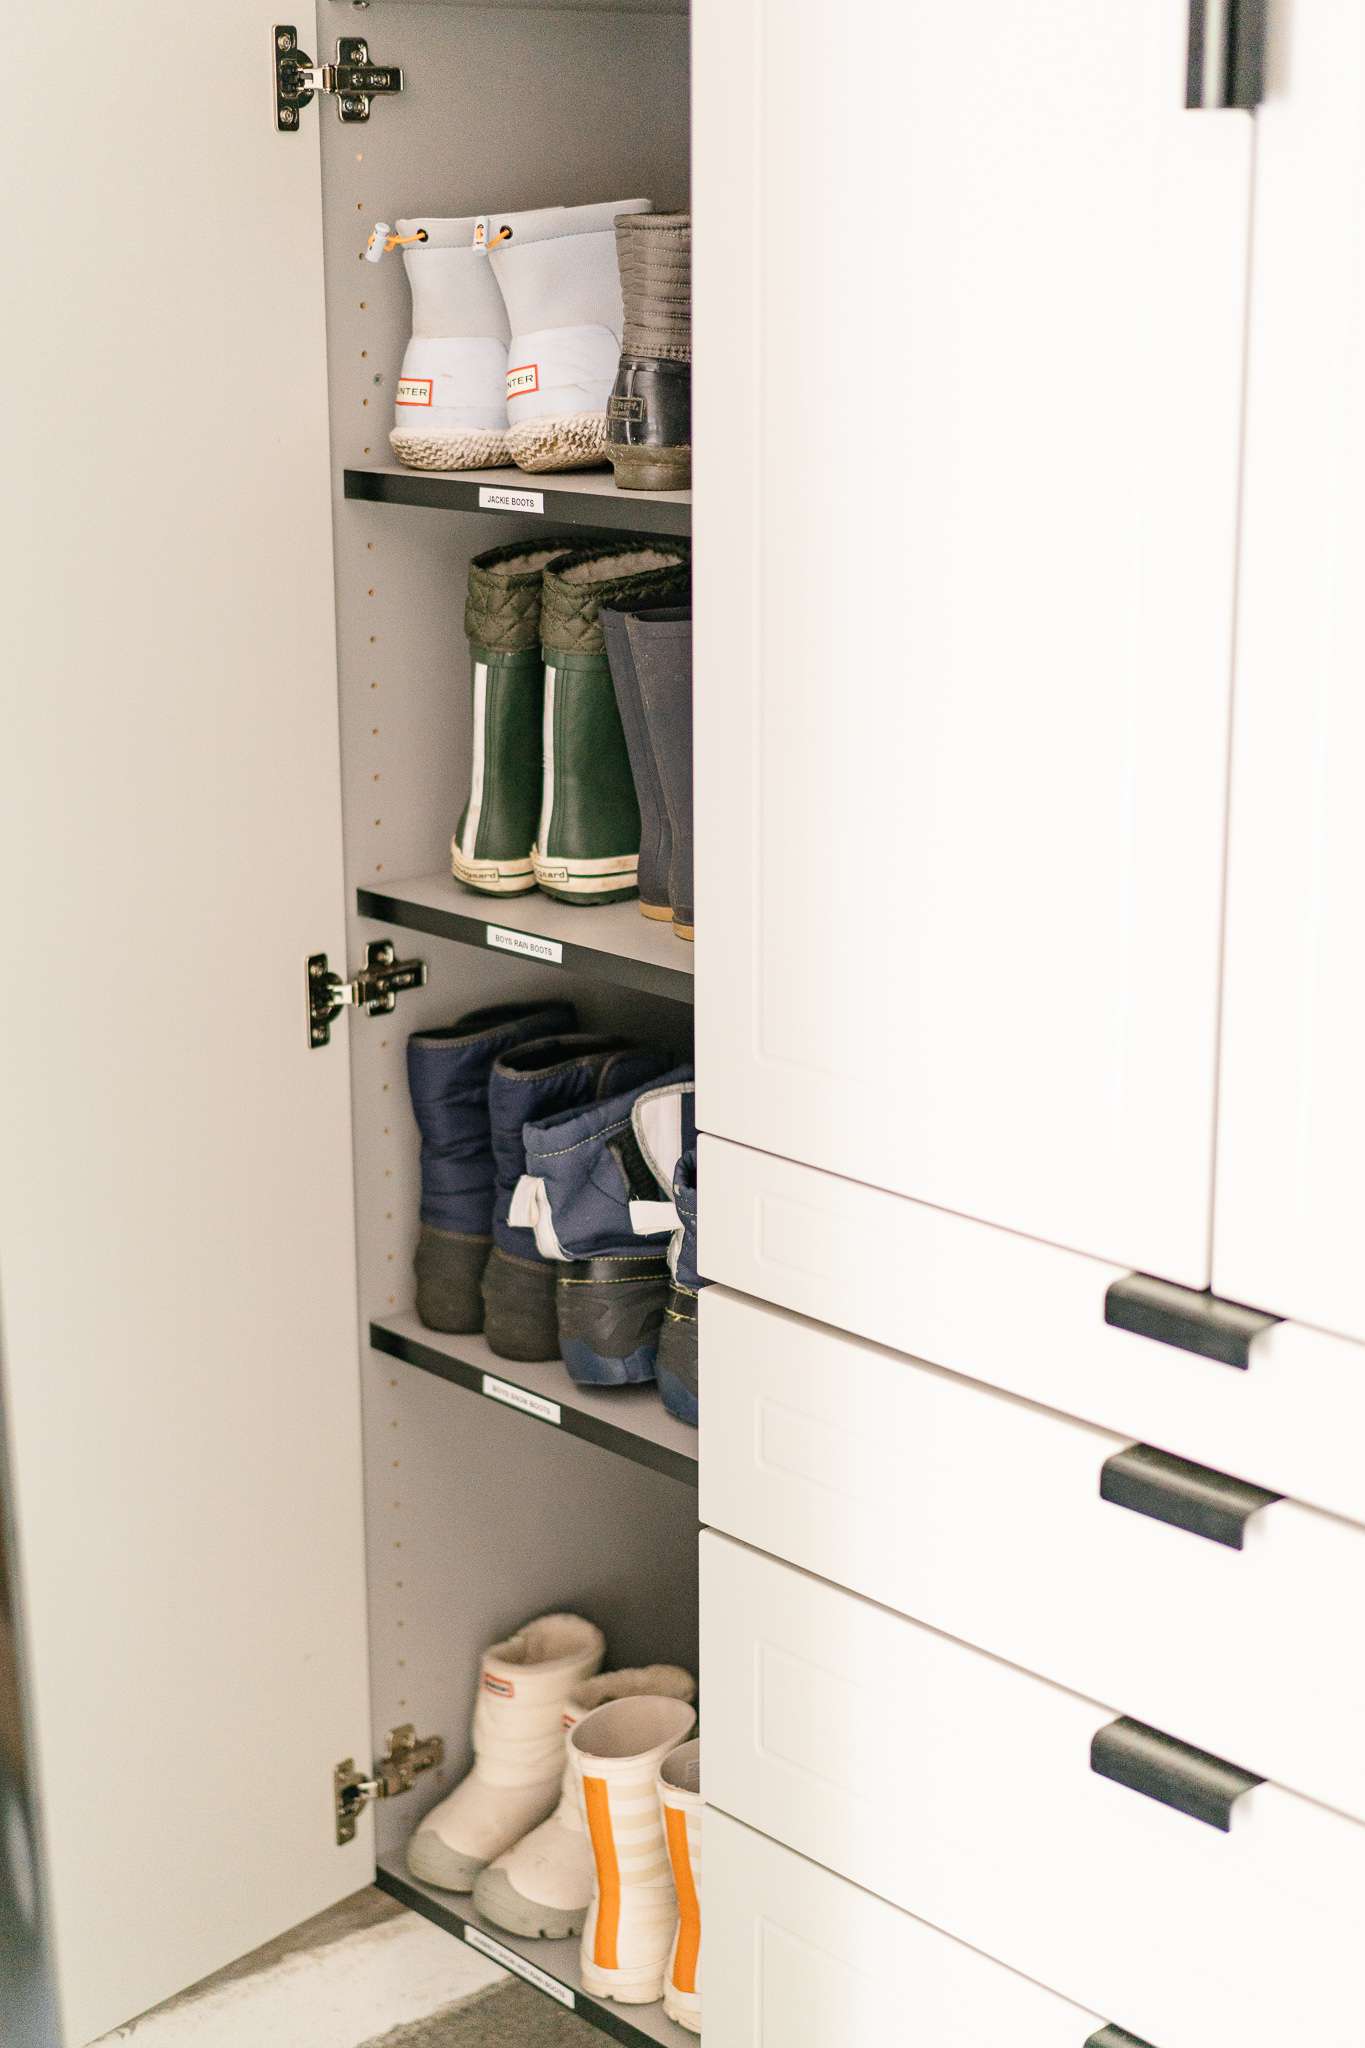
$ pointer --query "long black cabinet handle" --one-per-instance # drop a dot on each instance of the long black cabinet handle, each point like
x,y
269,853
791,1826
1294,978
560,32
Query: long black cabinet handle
x,y
1182,1316
1178,1775
1226,65
1115,2037
1193,1497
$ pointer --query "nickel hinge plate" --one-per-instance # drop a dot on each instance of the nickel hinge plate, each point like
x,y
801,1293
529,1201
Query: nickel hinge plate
x,y
376,988
402,1763
353,80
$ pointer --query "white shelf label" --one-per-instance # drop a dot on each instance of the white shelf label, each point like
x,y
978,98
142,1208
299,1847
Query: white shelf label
x,y
519,1966
525,943
521,1397
496,498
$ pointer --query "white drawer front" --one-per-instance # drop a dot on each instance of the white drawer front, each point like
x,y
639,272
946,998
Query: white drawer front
x,y
981,1515
961,1790
1029,1317
798,1958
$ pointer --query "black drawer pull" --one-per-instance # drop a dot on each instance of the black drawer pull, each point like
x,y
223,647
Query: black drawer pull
x,y
1226,63
1156,1765
1184,1317
1115,2037
1192,1497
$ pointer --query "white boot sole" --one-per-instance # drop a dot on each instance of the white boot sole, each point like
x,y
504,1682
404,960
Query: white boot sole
x,y
624,1987
493,877
586,878
683,2009
485,449
497,1898
430,1859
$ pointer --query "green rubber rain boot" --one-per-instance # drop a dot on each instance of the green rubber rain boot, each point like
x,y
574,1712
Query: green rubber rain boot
x,y
587,846
491,850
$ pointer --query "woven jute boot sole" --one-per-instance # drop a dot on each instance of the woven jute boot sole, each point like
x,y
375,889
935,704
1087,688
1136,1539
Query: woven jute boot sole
x,y
578,440
432,450
651,469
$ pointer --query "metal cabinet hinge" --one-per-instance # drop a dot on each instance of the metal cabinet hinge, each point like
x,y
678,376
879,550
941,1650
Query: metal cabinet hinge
x,y
353,80
402,1763
376,988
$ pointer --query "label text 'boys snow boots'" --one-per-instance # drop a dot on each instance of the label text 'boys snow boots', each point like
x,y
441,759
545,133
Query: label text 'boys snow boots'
x,y
526,1084
649,413
543,1886
588,840
450,401
491,850
562,290
448,1070
524,1687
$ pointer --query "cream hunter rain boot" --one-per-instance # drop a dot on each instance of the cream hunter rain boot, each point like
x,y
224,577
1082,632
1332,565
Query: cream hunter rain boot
x,y
680,1801
560,283
543,1886
617,1751
524,1688
450,403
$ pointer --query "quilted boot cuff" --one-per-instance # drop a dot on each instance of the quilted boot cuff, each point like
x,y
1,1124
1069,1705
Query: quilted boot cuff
x,y
502,610
577,585
654,251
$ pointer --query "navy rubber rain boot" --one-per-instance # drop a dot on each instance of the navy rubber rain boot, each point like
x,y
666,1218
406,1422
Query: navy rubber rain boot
x,y
598,1207
448,1073
676,1366
528,1083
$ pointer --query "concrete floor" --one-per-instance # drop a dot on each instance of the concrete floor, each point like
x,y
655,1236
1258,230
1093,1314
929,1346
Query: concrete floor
x,y
368,1974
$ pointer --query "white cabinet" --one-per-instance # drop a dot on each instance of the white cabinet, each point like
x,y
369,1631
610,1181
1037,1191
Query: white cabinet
x,y
1290,1215
966,486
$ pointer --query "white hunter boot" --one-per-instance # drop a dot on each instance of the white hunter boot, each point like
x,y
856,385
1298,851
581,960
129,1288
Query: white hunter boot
x,y
450,404
524,1688
562,287
617,1751
680,1801
543,1887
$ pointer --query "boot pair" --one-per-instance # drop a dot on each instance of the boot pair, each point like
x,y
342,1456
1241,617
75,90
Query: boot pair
x,y
650,656
517,324
552,800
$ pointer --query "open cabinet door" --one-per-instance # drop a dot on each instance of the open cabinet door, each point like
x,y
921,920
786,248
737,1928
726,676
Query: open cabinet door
x,y
176,1232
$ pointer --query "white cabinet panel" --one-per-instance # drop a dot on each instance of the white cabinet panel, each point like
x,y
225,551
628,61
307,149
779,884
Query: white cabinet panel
x,y
969,310
1291,1194
176,1219
1030,1318
982,1515
960,1789
799,1958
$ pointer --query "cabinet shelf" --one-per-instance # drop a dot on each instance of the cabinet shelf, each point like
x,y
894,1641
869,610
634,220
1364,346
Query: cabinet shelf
x,y
646,2026
585,497
607,942
631,1421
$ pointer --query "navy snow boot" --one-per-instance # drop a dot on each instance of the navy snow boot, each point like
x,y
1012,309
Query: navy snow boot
x,y
597,1206
448,1073
528,1083
676,1367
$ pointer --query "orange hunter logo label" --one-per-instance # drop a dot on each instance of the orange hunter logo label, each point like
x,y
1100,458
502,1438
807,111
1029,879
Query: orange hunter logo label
x,y
501,1688
413,391
523,380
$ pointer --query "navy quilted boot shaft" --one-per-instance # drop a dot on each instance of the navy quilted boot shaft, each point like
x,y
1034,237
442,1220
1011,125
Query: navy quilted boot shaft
x,y
526,1084
599,1207
677,1361
448,1072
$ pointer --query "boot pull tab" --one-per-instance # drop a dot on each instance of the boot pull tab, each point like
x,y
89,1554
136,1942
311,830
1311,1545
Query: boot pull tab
x,y
383,238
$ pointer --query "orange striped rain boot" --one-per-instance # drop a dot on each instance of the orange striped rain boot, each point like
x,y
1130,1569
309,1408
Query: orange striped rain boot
x,y
617,1751
680,1801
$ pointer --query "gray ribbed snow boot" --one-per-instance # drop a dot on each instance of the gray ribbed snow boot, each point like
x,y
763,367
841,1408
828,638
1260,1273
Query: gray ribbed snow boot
x,y
663,663
649,414
656,834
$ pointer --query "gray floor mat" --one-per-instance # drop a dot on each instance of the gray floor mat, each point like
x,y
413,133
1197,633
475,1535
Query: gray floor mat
x,y
508,2016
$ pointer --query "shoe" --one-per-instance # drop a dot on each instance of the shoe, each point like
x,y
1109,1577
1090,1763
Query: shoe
x,y
491,850
450,403
561,289
675,1366
649,413
597,1208
530,1082
587,846
656,835
524,1687
543,1886
617,1751
448,1073
680,1799
663,663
